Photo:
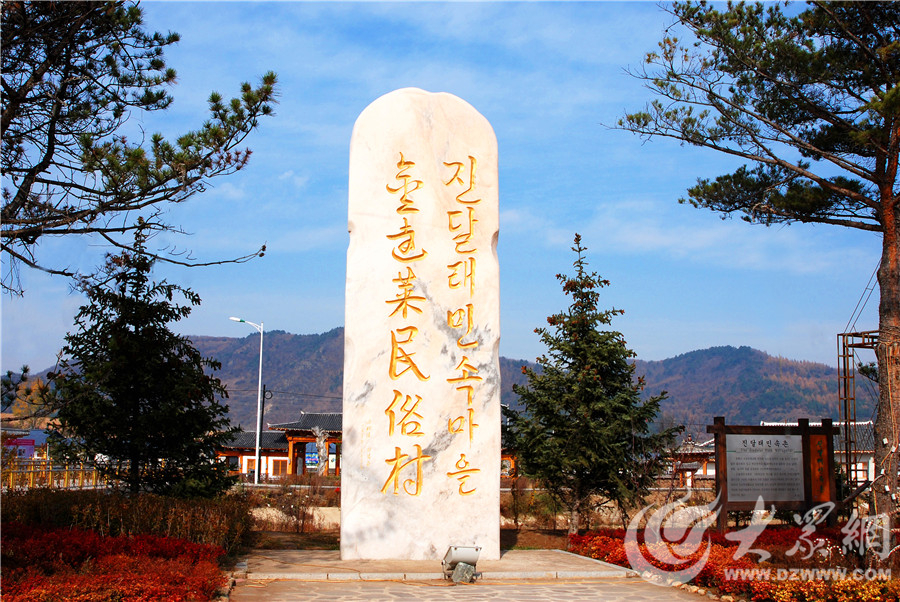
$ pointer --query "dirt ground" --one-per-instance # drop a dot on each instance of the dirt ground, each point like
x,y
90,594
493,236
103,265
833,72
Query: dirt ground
x,y
533,539
510,539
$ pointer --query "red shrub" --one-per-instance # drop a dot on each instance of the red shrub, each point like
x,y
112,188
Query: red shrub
x,y
713,572
56,564
609,546
599,547
121,578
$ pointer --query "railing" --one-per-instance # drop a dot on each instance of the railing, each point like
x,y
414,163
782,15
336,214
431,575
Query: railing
x,y
29,474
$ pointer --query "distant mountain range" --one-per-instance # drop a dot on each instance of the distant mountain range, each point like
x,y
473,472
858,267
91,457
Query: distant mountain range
x,y
304,373
747,386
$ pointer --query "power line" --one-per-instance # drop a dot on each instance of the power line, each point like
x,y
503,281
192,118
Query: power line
x,y
288,393
861,304
291,394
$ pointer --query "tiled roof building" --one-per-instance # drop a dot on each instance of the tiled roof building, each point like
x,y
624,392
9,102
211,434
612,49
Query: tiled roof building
x,y
283,448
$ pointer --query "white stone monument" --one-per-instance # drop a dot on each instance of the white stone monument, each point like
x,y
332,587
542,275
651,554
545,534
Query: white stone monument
x,y
421,425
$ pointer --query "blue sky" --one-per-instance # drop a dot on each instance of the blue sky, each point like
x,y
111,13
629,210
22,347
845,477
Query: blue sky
x,y
550,78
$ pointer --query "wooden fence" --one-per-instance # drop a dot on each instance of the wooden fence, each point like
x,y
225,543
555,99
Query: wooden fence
x,y
28,474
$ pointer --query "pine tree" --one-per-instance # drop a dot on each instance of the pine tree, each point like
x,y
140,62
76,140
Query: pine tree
x,y
585,433
810,101
10,385
133,396
73,74
34,403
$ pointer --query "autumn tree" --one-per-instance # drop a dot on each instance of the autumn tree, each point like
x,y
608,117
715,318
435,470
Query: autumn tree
x,y
34,403
29,400
133,395
811,102
73,74
585,433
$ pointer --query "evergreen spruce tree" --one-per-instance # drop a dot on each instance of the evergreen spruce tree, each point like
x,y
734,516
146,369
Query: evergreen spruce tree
x,y
135,397
585,433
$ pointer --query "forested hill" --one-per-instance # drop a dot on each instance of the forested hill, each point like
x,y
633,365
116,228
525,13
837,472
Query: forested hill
x,y
746,386
304,373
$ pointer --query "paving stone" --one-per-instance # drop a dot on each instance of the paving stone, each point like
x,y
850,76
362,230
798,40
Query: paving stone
x,y
607,590
519,576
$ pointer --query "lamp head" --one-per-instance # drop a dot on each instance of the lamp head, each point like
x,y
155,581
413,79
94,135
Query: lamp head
x,y
459,563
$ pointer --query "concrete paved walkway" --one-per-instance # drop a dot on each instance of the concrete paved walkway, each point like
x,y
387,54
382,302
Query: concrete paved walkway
x,y
561,590
326,565
312,575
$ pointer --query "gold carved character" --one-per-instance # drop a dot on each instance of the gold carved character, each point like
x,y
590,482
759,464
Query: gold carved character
x,y
407,186
467,372
407,422
462,274
462,474
456,425
404,299
464,236
457,177
407,244
455,320
398,463
400,357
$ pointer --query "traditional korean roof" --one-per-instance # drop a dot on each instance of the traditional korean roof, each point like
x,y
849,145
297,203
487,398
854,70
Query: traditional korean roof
x,y
689,466
267,440
863,436
691,447
329,422
15,432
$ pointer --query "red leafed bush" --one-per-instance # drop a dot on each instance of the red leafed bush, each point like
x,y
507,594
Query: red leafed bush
x,y
713,572
26,546
62,564
595,545
609,546
122,578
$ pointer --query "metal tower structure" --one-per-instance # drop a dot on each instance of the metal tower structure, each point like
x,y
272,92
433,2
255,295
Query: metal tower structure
x,y
848,343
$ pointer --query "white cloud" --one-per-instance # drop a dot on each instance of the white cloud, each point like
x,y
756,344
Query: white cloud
x,y
642,227
226,190
297,181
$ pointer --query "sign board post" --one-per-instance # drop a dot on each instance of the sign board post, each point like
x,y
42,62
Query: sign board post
x,y
789,467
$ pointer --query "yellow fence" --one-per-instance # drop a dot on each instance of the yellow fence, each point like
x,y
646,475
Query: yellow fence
x,y
28,474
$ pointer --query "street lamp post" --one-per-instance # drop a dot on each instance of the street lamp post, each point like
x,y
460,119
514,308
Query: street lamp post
x,y
259,401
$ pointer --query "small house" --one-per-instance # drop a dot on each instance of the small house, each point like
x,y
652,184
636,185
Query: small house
x,y
286,449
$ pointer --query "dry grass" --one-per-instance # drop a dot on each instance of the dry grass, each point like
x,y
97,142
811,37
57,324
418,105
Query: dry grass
x,y
284,540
